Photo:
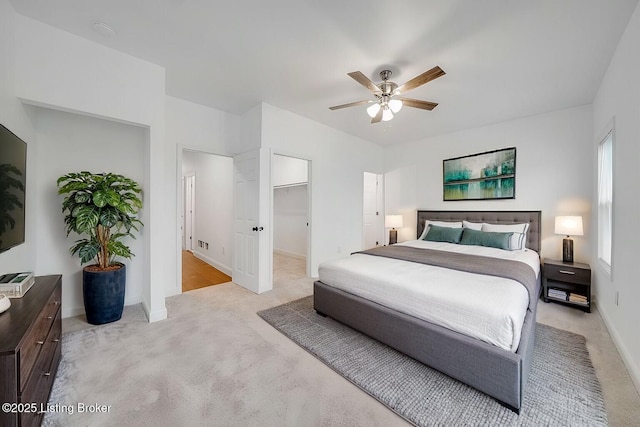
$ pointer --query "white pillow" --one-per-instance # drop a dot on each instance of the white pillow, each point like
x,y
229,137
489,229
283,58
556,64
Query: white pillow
x,y
427,223
519,238
472,225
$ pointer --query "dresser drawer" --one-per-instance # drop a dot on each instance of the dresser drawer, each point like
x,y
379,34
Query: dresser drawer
x,y
39,385
41,379
565,273
34,317
36,339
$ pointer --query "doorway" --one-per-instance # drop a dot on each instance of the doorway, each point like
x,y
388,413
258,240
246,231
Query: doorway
x,y
373,211
291,218
206,219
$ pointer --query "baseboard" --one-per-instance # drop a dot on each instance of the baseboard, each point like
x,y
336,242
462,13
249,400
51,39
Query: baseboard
x,y
213,263
172,292
77,311
291,254
629,362
156,315
132,300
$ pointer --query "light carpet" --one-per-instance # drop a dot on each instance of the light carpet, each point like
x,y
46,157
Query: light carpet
x,y
562,388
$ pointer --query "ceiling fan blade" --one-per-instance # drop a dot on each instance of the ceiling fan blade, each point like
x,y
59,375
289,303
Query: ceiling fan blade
x,y
351,104
378,117
423,78
416,103
365,81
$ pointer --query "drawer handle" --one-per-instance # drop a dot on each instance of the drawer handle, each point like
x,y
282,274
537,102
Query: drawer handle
x,y
46,374
40,342
566,272
56,340
49,317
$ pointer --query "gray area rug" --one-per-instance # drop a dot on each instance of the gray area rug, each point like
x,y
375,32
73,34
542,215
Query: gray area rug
x,y
562,388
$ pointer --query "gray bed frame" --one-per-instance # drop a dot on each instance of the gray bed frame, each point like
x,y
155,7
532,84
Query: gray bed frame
x,y
499,373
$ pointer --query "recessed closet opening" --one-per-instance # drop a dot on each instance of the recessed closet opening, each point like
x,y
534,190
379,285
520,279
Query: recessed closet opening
x,y
291,218
206,219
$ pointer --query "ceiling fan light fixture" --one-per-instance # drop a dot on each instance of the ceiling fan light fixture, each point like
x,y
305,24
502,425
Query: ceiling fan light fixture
x,y
372,111
386,114
384,107
395,105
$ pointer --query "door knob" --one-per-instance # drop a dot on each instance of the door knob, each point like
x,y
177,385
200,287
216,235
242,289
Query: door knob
x,y
258,228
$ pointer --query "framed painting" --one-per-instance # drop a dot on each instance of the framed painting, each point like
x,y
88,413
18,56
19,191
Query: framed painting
x,y
483,176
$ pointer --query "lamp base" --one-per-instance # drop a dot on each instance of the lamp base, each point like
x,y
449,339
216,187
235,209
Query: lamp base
x,y
567,250
393,236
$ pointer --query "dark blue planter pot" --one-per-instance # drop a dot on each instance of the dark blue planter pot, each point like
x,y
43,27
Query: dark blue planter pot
x,y
103,293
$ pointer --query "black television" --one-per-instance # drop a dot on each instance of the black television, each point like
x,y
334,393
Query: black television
x,y
13,173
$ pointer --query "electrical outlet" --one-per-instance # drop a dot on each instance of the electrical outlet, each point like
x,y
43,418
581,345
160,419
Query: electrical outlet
x,y
206,246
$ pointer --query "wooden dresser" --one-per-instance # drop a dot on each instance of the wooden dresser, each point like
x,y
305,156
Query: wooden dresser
x,y
30,352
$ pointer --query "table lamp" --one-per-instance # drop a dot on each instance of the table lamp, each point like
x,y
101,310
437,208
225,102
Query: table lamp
x,y
393,222
569,226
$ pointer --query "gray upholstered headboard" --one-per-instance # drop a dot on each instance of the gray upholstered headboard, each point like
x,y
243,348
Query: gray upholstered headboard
x,y
490,217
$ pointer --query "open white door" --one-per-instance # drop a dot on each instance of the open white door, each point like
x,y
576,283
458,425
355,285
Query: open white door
x,y
189,210
252,248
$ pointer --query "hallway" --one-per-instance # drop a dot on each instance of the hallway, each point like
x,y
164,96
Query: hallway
x,y
198,274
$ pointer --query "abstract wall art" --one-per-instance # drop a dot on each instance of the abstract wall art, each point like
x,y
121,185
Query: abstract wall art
x,y
482,176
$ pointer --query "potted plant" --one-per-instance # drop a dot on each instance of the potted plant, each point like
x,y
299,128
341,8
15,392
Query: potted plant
x,y
102,207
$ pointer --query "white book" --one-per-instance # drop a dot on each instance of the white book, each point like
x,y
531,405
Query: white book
x,y
18,285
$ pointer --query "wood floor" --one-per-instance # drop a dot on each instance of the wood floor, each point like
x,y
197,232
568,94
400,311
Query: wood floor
x,y
198,274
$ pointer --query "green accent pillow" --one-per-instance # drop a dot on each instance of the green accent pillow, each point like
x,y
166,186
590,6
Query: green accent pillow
x,y
486,238
443,234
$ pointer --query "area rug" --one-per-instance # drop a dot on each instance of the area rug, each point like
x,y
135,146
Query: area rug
x,y
562,388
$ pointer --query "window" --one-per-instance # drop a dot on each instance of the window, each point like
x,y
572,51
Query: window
x,y
605,200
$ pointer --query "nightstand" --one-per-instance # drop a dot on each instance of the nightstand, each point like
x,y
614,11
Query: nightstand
x,y
567,283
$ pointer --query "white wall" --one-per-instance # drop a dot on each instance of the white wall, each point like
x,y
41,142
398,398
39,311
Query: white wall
x,y
73,143
65,72
48,67
191,126
553,172
250,133
290,206
288,171
213,207
338,161
15,117
619,98
197,127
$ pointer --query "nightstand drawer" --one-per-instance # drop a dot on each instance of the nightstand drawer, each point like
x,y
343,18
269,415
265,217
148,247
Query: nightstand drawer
x,y
567,273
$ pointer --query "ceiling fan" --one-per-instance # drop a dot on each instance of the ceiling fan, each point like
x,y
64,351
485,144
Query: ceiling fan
x,y
387,94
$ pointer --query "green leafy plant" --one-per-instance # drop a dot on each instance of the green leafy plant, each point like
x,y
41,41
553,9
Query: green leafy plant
x,y
103,207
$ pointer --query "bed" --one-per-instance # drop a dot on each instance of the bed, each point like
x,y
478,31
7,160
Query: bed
x,y
499,371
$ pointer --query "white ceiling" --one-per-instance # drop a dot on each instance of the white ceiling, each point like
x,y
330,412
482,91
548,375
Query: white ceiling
x,y
504,59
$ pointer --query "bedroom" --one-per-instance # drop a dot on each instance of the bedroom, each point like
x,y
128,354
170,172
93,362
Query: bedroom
x,y
42,63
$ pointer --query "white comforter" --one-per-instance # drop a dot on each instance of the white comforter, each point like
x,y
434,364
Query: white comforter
x,y
488,308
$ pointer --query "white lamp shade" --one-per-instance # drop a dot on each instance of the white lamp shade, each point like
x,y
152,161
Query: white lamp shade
x,y
372,110
395,105
393,221
569,225
387,115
